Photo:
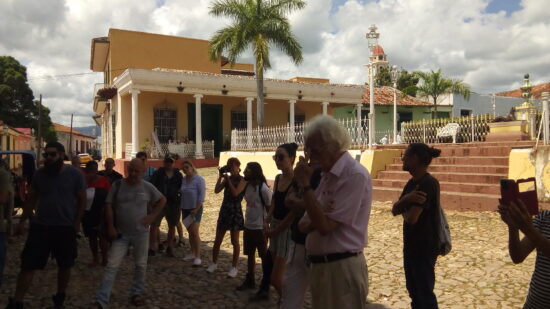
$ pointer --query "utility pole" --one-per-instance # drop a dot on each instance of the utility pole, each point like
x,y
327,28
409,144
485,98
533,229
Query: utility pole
x,y
71,139
39,137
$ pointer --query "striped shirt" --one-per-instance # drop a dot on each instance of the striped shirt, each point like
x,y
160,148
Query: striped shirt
x,y
539,290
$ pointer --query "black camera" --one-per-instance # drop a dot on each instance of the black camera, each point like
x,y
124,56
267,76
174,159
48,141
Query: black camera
x,y
225,170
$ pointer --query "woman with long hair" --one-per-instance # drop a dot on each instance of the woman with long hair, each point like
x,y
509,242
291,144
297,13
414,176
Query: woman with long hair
x,y
231,213
419,206
193,190
258,198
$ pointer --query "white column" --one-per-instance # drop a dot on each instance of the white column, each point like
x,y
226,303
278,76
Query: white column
x,y
359,126
372,127
135,117
394,113
249,122
198,127
325,108
545,119
291,122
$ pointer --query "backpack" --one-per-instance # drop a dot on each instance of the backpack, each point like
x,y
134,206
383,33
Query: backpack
x,y
443,230
259,192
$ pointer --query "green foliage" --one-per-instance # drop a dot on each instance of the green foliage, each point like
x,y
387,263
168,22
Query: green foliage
x,y
17,106
258,24
406,82
433,85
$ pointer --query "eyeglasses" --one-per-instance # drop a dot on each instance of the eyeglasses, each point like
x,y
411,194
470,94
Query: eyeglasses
x,y
49,154
279,157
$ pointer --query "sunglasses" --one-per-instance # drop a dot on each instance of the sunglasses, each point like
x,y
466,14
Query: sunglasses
x,y
279,157
49,154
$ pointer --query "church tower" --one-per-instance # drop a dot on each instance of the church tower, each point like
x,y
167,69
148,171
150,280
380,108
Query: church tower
x,y
378,59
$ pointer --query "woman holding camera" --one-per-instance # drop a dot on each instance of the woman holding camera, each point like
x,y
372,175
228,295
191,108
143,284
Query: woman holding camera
x,y
231,213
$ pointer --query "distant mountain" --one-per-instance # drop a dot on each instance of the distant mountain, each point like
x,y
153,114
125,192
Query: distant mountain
x,y
90,130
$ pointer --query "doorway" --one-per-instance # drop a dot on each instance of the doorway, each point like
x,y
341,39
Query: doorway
x,y
212,124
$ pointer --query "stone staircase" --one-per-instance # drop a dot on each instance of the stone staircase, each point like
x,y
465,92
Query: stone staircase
x,y
469,174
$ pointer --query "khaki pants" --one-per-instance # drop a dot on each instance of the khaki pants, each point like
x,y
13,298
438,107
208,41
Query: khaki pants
x,y
340,284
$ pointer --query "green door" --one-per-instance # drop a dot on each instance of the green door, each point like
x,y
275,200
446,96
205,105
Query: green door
x,y
212,124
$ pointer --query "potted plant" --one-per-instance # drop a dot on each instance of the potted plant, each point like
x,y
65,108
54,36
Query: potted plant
x,y
107,92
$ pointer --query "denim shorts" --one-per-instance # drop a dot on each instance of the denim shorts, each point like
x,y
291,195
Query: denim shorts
x,y
198,216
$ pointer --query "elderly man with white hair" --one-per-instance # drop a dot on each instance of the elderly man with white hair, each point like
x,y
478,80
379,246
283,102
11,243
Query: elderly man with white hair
x,y
337,216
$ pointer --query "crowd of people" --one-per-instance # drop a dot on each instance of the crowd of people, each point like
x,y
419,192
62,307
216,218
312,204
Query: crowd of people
x,y
309,229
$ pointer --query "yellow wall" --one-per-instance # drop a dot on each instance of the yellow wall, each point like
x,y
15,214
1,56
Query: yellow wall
x,y
376,160
520,165
130,49
310,80
248,67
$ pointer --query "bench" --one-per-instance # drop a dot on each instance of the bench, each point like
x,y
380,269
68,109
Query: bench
x,y
451,129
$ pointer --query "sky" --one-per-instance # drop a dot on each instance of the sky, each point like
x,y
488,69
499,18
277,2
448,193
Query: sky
x,y
490,44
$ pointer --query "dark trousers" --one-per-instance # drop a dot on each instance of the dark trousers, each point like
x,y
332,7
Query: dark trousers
x,y
267,268
3,252
420,275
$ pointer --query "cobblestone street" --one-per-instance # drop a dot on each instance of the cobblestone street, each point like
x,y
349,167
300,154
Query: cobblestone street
x,y
477,273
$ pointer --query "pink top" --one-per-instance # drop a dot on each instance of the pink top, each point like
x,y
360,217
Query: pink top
x,y
345,194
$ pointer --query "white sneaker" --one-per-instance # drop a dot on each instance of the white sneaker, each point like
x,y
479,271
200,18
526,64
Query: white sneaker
x,y
197,262
188,257
232,272
212,268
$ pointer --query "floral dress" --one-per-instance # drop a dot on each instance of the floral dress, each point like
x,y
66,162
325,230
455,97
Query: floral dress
x,y
231,213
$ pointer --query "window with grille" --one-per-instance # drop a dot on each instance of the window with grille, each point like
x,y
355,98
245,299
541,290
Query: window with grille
x,y
238,120
165,124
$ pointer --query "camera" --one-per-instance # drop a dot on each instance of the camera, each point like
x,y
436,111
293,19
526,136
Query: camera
x,y
225,170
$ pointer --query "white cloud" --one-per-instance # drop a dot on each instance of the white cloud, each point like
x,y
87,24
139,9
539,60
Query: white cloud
x,y
489,51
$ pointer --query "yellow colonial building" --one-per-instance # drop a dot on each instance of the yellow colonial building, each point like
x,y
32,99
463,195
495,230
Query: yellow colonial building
x,y
167,85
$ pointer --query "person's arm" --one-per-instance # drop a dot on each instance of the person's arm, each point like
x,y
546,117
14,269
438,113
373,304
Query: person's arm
x,y
220,184
29,206
201,192
518,249
414,197
319,220
81,202
239,189
304,225
271,207
155,212
522,219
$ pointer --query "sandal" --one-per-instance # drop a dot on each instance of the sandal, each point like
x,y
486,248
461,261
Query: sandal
x,y
137,300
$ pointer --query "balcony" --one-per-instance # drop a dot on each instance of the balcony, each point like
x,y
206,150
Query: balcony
x,y
99,103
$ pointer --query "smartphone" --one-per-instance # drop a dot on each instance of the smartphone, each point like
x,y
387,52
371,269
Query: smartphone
x,y
522,189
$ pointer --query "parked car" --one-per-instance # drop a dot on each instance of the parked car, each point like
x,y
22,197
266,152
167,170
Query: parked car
x,y
85,158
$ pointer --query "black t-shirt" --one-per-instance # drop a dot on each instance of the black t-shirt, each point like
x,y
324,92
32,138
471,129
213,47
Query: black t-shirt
x,y
112,177
295,234
420,239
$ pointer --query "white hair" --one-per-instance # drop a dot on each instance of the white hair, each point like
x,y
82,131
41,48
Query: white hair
x,y
333,135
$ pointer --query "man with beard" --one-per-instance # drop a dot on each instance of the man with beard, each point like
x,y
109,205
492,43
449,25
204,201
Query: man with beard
x,y
109,172
59,197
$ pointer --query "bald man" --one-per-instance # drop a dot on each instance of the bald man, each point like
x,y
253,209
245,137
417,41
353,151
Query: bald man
x,y
128,225
109,171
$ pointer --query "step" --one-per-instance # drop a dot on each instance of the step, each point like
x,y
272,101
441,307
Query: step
x,y
476,144
485,169
449,200
475,160
475,151
449,177
445,186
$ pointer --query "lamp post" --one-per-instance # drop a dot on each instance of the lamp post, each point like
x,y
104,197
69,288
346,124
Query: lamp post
x,y
394,74
372,39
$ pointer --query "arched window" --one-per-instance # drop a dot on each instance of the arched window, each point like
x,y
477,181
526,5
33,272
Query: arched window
x,y
165,124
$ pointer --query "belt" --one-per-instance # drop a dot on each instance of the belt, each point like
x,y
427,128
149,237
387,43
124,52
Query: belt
x,y
315,259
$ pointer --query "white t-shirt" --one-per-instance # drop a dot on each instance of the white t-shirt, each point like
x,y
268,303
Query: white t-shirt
x,y
255,211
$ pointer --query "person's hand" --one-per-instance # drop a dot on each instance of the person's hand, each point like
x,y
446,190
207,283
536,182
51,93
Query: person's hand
x,y
147,220
293,201
195,211
303,172
415,197
268,233
504,211
112,232
520,216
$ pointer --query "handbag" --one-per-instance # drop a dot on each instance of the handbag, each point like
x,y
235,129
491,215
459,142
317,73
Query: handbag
x,y
443,230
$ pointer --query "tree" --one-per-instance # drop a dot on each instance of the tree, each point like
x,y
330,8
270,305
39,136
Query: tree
x,y
257,24
406,82
433,85
17,105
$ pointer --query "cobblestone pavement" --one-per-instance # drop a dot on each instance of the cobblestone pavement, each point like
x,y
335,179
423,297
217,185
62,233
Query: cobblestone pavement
x,y
477,274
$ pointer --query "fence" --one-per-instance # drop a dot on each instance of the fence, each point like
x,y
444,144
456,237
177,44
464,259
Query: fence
x,y
472,129
182,150
269,138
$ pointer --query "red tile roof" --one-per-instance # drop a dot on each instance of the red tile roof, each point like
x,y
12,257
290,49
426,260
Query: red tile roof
x,y
384,96
64,129
378,50
536,91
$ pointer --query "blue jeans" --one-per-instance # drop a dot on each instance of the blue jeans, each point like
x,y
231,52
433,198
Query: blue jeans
x,y
119,248
420,275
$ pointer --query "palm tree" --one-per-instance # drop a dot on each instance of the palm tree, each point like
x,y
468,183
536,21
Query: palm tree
x,y
256,24
434,84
